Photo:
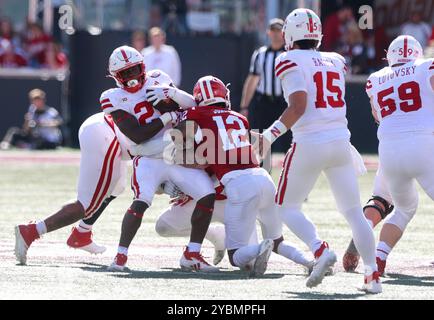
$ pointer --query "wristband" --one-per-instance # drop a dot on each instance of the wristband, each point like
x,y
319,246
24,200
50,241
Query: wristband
x,y
166,118
275,131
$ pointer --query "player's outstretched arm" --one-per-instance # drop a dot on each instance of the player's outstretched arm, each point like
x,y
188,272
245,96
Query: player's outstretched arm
x,y
295,110
137,133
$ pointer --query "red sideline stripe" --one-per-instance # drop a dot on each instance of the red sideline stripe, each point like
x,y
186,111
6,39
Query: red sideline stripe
x,y
102,176
281,63
281,191
278,73
105,106
405,47
105,101
134,183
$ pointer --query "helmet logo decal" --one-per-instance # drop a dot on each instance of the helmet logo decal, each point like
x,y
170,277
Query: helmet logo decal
x,y
310,26
124,55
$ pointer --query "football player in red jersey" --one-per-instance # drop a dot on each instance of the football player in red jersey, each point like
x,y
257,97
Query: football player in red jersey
x,y
221,140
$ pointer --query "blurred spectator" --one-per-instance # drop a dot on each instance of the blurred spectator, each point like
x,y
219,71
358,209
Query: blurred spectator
x,y
36,43
9,57
138,40
40,130
335,26
354,50
161,56
417,28
174,14
55,58
7,32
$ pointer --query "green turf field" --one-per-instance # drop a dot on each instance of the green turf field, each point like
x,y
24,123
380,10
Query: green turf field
x,y
33,188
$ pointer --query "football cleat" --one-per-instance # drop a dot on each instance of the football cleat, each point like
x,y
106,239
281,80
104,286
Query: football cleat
x,y
372,283
381,265
119,263
218,256
310,265
25,234
219,244
324,259
351,258
261,261
83,241
193,261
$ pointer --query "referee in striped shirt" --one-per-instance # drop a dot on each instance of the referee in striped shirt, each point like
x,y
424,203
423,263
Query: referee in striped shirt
x,y
262,100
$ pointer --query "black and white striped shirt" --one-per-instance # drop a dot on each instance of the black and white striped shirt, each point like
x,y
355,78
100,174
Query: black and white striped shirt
x,y
262,65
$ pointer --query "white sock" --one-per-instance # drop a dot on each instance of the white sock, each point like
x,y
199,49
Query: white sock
x,y
83,227
292,253
41,227
302,227
383,250
363,236
123,250
194,247
245,254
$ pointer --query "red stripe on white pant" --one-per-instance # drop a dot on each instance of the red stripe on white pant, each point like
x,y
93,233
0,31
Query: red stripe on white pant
x,y
283,181
134,184
104,179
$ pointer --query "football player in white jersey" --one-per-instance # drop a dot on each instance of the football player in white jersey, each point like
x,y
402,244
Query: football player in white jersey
x,y
132,107
402,101
101,179
314,87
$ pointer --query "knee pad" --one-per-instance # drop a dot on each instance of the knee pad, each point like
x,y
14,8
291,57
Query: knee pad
x,y
401,219
388,208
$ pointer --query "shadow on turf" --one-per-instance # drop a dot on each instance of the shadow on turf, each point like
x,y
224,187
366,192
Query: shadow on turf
x,y
323,296
172,273
407,280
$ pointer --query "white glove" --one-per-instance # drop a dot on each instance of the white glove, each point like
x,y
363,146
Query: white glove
x,y
155,94
172,117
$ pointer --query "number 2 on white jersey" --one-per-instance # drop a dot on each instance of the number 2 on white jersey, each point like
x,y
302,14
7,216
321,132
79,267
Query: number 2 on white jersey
x,y
235,141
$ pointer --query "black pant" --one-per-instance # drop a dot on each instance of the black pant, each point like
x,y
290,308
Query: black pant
x,y
263,111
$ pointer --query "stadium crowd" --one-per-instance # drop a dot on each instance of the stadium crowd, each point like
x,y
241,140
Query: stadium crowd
x,y
31,47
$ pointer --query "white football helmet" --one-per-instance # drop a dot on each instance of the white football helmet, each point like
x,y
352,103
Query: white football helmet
x,y
404,49
302,24
126,66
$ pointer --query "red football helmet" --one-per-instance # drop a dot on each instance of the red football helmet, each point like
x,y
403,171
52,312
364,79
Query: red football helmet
x,y
211,90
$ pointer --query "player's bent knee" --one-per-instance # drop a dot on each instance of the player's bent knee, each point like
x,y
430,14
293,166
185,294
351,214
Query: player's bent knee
x,y
380,205
206,204
401,219
75,208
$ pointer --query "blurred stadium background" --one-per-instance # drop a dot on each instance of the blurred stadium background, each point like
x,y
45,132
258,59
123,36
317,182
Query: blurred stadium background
x,y
211,37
